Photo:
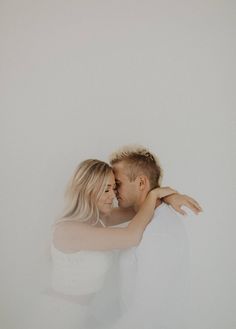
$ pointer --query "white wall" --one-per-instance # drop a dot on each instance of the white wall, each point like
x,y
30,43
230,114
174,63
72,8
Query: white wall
x,y
79,79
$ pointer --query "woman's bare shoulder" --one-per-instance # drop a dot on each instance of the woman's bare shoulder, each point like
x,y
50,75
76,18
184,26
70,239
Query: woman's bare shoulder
x,y
71,228
67,232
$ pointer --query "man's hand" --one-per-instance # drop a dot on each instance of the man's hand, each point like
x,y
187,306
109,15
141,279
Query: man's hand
x,y
177,200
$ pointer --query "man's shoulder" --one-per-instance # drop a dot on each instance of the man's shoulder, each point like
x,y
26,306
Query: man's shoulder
x,y
165,221
165,212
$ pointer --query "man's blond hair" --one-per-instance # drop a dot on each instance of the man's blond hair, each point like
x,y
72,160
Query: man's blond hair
x,y
140,161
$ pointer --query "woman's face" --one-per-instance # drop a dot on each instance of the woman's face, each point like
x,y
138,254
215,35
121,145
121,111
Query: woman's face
x,y
105,203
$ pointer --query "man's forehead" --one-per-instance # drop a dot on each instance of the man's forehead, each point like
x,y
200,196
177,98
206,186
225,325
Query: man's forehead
x,y
120,171
119,166
118,175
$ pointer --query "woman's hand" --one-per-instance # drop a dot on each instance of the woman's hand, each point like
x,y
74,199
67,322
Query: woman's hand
x,y
178,200
161,192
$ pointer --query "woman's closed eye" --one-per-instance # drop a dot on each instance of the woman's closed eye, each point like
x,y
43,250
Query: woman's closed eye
x,y
114,188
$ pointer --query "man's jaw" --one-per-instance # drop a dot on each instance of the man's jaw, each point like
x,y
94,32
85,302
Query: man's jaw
x,y
121,203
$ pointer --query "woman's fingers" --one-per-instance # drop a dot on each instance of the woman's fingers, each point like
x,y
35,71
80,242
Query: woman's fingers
x,y
193,204
180,210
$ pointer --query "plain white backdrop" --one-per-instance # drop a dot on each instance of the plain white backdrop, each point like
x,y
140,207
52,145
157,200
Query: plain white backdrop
x,y
81,78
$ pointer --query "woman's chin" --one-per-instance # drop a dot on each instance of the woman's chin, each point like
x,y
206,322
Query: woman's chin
x,y
105,212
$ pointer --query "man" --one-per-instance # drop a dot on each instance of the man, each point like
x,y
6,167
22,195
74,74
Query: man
x,y
153,275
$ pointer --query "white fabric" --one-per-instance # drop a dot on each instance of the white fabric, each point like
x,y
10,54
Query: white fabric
x,y
96,274
154,275
79,273
56,313
104,309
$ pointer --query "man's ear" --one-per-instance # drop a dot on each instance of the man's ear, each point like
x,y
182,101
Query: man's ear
x,y
143,181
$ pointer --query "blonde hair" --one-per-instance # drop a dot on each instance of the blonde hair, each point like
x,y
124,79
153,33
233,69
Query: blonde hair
x,y
140,161
85,189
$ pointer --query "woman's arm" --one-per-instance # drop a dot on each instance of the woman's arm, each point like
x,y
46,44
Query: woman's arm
x,y
177,200
72,236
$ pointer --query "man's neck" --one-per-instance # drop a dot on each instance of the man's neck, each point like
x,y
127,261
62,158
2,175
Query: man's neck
x,y
139,203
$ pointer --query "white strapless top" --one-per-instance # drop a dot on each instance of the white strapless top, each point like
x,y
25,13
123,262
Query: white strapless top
x,y
79,273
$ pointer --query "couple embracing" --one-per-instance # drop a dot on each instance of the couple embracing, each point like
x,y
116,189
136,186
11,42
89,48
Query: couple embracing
x,y
151,276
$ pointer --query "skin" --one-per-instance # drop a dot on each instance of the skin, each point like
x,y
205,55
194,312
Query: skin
x,y
130,193
105,203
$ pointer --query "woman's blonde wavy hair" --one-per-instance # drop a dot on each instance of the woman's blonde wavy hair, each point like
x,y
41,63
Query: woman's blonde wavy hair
x,y
85,189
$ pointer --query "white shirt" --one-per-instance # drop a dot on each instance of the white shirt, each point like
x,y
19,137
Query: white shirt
x,y
154,275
